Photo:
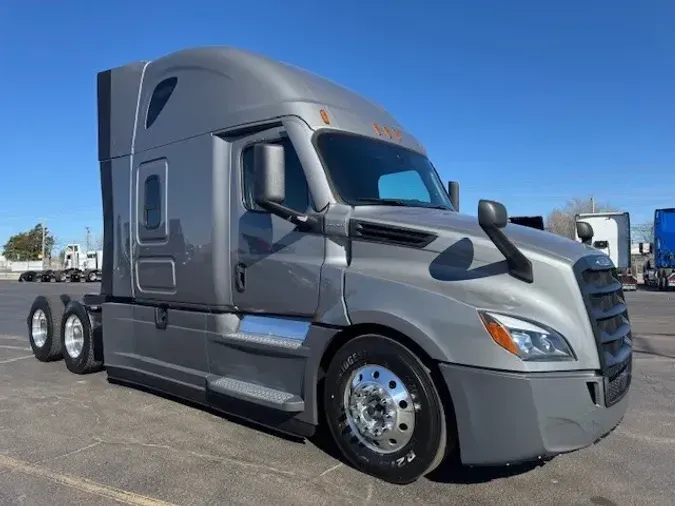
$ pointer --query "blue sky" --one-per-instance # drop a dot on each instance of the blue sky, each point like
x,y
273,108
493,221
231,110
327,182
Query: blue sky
x,y
527,102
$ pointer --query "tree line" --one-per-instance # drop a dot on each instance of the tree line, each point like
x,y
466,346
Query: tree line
x,y
27,246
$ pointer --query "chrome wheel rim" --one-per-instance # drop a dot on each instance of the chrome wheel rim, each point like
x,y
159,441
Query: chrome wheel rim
x,y
39,328
74,336
380,409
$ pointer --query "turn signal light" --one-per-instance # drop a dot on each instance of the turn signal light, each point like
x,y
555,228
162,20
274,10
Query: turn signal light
x,y
499,334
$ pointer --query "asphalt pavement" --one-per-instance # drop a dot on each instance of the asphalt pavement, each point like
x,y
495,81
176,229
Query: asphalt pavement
x,y
67,439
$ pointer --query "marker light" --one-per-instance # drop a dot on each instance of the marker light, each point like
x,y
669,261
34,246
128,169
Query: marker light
x,y
324,116
376,127
526,340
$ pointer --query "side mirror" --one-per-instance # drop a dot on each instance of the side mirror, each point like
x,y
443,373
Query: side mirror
x,y
268,163
492,217
453,193
491,214
270,187
584,231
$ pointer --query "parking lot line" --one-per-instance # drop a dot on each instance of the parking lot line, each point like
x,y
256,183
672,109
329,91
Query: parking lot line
x,y
7,361
8,347
81,484
12,338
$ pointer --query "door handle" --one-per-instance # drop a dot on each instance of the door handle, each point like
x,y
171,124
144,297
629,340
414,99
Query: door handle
x,y
240,277
161,318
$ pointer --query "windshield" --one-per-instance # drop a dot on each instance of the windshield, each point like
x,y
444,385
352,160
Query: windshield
x,y
366,171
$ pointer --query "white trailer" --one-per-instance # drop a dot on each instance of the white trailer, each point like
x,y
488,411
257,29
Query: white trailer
x,y
611,235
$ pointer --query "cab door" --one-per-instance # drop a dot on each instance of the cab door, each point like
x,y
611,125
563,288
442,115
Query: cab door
x,y
276,267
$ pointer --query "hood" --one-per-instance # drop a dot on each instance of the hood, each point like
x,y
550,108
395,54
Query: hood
x,y
449,223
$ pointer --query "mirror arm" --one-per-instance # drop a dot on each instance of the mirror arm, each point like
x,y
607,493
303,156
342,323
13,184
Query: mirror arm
x,y
313,222
520,266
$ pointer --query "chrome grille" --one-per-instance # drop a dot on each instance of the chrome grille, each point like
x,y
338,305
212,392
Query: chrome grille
x,y
606,305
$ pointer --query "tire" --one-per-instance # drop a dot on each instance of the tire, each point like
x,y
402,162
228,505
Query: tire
x,y
79,341
91,277
422,439
48,346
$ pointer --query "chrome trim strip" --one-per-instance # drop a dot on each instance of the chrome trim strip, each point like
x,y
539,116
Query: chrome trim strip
x,y
286,328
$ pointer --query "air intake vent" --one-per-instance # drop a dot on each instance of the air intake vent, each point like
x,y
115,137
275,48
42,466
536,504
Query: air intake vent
x,y
388,234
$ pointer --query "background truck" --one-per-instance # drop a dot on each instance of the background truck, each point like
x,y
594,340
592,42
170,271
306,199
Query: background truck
x,y
659,273
528,221
77,266
280,248
81,266
611,235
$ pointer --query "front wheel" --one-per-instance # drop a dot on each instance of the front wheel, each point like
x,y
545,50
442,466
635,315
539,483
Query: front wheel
x,y
384,411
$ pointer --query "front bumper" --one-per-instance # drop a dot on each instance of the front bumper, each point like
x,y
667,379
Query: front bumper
x,y
507,418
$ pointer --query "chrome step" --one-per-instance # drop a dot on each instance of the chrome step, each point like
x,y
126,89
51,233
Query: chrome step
x,y
258,394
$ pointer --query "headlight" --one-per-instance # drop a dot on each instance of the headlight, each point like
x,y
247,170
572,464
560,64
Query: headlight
x,y
526,340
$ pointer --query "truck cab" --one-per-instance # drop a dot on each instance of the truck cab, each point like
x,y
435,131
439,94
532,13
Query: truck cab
x,y
612,236
279,247
528,221
660,272
81,265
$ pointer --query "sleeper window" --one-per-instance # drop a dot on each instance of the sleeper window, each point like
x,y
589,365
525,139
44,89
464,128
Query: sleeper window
x,y
153,202
297,191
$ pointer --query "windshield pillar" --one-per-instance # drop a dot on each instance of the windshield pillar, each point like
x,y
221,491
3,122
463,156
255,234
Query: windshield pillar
x,y
300,135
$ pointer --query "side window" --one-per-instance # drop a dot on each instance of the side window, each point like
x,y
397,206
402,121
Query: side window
x,y
152,209
405,185
160,96
297,191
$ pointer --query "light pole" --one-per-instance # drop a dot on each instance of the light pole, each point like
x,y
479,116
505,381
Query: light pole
x,y
43,244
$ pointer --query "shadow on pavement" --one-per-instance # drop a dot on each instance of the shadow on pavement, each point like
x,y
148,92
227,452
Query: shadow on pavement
x,y
452,472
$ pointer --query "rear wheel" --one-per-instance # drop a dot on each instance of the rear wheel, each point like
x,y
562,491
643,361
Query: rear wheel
x,y
44,328
384,411
79,340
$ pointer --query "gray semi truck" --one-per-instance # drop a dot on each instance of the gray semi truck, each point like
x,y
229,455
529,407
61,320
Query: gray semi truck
x,y
280,248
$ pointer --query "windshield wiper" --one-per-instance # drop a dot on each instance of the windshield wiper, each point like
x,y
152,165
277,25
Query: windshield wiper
x,y
385,202
403,203
432,206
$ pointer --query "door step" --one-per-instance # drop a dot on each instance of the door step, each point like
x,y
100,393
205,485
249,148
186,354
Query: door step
x,y
257,394
265,340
